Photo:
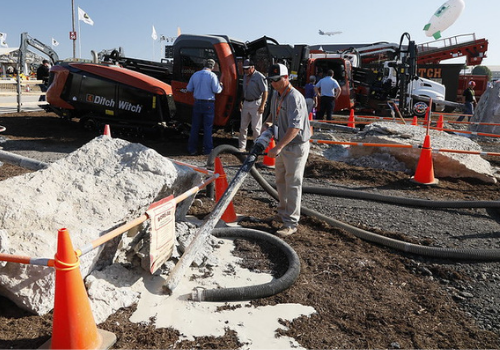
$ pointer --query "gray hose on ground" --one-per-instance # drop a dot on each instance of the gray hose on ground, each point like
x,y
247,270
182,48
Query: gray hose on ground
x,y
399,200
434,252
257,291
21,161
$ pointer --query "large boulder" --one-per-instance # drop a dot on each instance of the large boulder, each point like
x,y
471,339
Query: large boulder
x,y
91,191
488,111
446,164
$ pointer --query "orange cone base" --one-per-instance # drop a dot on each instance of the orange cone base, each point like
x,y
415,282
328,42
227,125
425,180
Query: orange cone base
x,y
108,339
264,165
229,214
433,181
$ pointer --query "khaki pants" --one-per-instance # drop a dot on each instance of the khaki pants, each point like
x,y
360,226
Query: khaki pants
x,y
289,169
249,113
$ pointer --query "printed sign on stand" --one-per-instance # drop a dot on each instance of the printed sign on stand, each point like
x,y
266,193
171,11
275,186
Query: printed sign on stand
x,y
162,232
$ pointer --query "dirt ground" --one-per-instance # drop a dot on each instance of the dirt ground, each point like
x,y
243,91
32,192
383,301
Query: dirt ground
x,y
365,296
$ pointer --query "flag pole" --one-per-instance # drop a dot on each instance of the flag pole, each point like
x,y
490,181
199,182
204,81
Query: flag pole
x,y
73,22
153,36
80,38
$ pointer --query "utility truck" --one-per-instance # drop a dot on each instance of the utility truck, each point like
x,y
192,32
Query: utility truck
x,y
413,93
361,88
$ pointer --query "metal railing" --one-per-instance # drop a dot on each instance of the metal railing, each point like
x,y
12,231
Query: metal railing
x,y
447,42
14,93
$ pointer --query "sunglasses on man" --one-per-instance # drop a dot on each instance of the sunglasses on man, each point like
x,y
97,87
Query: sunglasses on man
x,y
274,80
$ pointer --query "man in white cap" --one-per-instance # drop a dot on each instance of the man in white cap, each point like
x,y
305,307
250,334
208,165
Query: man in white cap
x,y
288,116
252,104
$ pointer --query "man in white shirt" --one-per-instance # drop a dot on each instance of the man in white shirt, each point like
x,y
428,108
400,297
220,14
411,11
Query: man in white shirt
x,y
329,90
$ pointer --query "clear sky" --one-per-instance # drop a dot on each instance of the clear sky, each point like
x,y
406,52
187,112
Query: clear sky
x,y
128,23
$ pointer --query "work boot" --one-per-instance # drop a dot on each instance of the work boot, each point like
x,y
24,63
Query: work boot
x,y
286,231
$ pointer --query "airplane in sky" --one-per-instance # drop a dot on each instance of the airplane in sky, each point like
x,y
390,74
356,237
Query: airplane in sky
x,y
328,33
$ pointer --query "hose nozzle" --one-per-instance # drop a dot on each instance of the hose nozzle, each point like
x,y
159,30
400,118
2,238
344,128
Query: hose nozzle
x,y
260,145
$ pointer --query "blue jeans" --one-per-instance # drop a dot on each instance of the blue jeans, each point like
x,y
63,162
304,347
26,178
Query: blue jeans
x,y
203,113
468,109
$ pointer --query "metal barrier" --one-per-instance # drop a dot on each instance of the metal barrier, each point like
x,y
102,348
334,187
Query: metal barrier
x,y
20,95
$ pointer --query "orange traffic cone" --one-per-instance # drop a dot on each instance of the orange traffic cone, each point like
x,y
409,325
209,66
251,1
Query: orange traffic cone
x,y
73,325
220,187
268,161
415,120
107,130
440,123
424,173
351,123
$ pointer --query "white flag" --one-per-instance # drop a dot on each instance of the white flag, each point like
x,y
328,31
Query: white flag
x,y
154,35
82,16
54,42
3,40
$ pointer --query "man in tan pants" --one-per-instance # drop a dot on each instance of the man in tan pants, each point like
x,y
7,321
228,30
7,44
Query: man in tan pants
x,y
253,103
292,131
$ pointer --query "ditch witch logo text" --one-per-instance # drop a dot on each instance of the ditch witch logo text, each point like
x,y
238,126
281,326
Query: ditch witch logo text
x,y
103,101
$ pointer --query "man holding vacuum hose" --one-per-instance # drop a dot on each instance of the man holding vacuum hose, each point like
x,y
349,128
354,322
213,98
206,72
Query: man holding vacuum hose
x,y
292,132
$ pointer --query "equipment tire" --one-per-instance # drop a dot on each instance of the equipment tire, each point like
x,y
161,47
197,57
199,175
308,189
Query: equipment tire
x,y
420,108
88,124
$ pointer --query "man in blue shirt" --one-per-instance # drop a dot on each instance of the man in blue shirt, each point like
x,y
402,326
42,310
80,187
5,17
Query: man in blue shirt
x,y
328,89
310,94
204,84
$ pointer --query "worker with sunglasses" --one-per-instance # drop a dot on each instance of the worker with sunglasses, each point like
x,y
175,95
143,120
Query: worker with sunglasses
x,y
288,116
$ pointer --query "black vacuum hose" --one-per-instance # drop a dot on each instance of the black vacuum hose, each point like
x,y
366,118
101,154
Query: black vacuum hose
x,y
211,162
256,291
399,200
435,252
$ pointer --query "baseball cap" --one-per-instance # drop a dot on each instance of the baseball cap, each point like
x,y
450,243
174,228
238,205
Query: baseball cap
x,y
277,70
210,63
247,64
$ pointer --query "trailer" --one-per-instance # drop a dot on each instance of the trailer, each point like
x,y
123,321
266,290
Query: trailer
x,y
98,94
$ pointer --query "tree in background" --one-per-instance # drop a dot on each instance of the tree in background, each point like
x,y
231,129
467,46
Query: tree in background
x,y
482,70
